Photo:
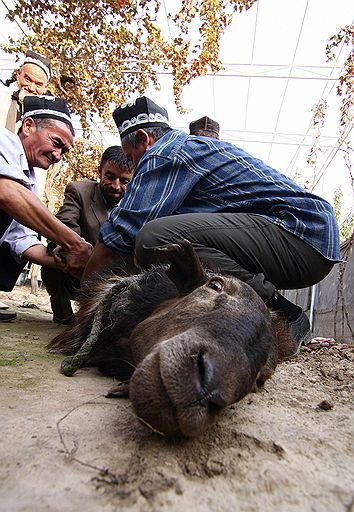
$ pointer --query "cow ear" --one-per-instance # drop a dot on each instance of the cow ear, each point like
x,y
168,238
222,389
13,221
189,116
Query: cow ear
x,y
121,390
186,271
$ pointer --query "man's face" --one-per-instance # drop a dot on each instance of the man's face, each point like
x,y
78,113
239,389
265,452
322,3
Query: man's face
x,y
113,181
45,145
134,153
32,80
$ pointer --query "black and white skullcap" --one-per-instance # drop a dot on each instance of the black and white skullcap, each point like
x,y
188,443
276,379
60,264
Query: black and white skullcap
x,y
47,107
141,112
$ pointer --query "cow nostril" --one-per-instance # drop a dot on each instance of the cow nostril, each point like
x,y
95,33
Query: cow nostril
x,y
207,388
201,368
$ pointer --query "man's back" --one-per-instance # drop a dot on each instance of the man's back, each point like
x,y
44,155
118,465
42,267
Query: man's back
x,y
182,174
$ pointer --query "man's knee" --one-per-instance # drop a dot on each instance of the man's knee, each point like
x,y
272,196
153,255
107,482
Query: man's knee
x,y
152,235
144,243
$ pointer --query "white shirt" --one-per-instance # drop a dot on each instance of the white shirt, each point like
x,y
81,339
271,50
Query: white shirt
x,y
14,165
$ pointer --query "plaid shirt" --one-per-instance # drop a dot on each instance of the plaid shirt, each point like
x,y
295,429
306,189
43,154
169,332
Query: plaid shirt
x,y
181,173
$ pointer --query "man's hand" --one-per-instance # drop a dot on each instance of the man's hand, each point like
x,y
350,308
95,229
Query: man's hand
x,y
76,259
59,255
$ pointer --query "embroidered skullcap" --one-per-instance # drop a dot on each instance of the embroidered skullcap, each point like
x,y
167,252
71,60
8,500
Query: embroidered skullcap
x,y
139,113
204,124
38,60
47,107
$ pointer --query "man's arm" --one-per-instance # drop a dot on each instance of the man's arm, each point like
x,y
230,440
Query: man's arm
x,y
24,244
38,254
159,187
25,207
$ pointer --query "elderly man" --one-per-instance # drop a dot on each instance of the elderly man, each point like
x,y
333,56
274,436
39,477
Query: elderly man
x,y
45,135
86,206
241,215
32,80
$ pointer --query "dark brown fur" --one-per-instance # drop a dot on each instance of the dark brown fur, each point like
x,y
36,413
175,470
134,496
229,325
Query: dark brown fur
x,y
189,342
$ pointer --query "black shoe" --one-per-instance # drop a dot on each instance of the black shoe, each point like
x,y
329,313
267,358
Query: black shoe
x,y
7,316
300,331
63,321
299,324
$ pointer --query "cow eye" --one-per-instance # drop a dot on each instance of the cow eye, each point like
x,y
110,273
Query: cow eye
x,y
216,284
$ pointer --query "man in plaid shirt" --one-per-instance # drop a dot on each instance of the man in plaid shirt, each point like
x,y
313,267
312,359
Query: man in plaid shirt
x,y
241,216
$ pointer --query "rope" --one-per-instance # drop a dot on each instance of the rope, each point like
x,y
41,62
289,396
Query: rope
x,y
72,363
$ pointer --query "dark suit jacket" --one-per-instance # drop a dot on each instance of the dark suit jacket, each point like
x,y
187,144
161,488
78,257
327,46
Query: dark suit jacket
x,y
83,209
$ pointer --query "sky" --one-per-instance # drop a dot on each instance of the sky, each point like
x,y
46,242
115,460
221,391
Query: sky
x,y
275,71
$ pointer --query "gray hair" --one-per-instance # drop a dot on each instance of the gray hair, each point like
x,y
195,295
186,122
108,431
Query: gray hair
x,y
47,122
156,132
40,123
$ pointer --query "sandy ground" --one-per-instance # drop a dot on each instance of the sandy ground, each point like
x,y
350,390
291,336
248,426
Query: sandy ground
x,y
65,447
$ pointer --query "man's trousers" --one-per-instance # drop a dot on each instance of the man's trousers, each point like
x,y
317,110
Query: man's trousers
x,y
61,288
248,246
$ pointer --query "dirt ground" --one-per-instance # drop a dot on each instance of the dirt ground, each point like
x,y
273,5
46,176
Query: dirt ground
x,y
65,447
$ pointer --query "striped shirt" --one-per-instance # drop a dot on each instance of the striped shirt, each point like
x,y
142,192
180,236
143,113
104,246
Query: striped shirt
x,y
181,173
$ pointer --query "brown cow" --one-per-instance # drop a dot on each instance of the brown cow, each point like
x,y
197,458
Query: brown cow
x,y
185,341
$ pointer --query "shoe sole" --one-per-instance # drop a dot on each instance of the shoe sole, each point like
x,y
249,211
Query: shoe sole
x,y
305,340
